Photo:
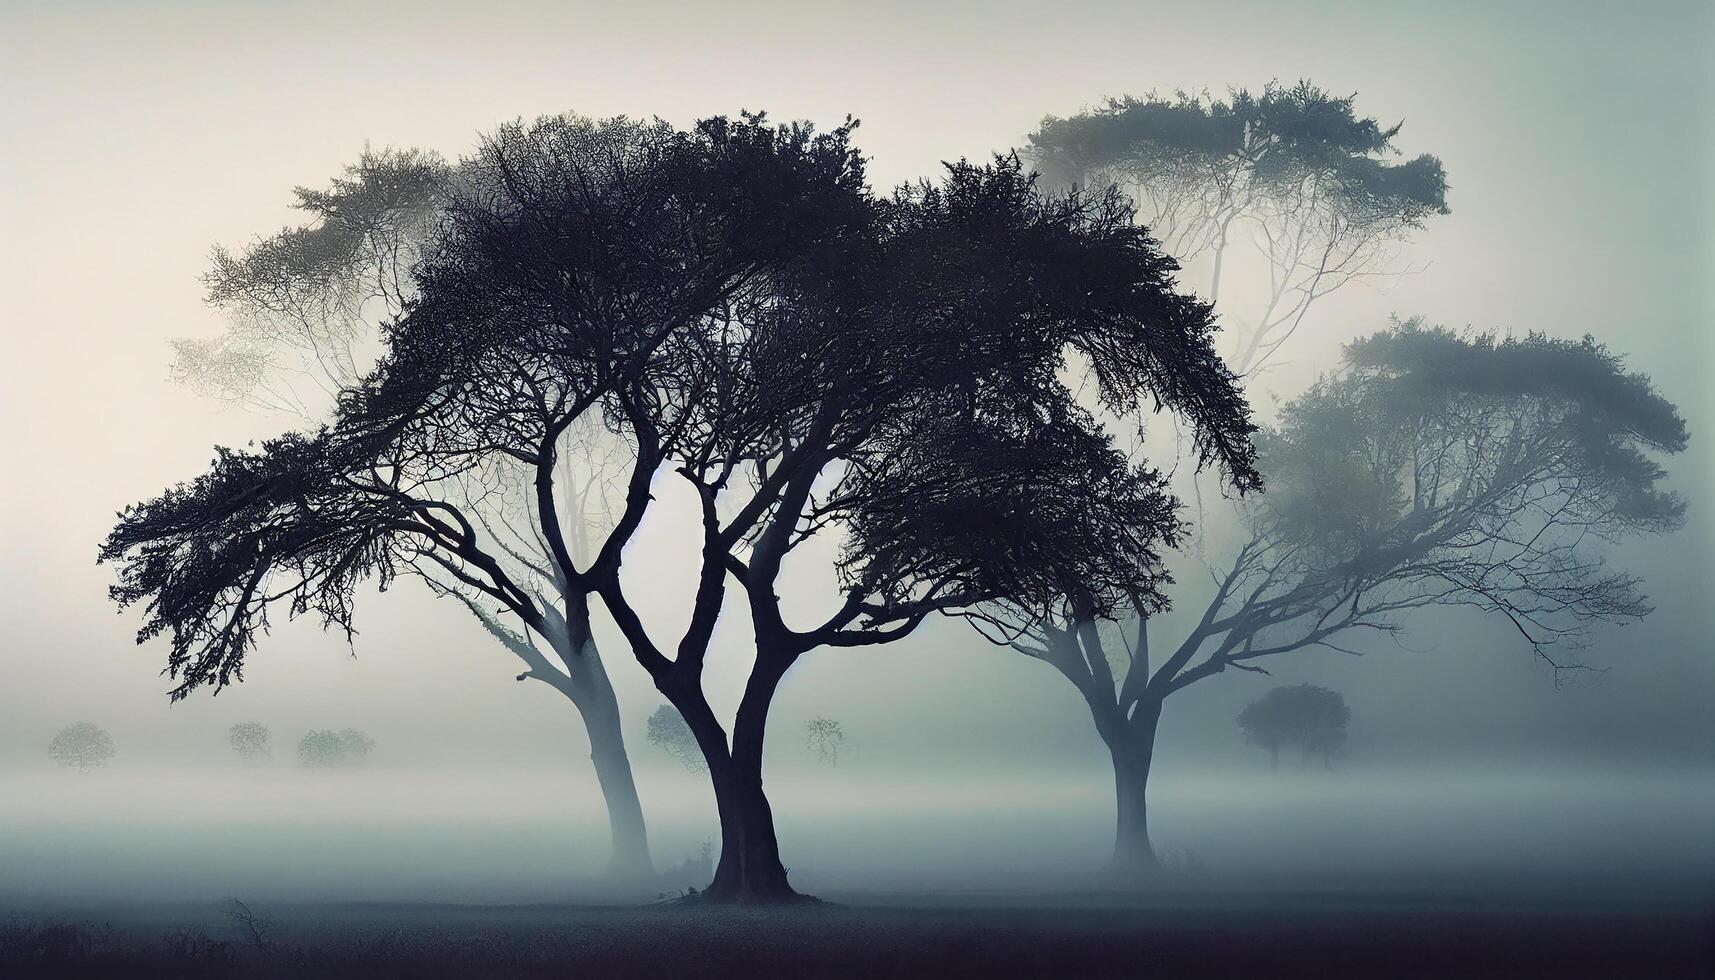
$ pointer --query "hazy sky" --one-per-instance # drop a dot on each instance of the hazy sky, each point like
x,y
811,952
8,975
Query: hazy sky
x,y
1578,140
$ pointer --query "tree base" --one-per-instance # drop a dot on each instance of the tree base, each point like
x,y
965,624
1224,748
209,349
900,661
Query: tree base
x,y
728,899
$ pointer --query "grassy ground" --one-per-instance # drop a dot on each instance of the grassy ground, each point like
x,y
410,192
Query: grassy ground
x,y
1211,932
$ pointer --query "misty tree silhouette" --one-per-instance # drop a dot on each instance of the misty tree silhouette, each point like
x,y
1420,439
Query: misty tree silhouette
x,y
1294,169
1310,717
251,740
1434,469
83,746
324,749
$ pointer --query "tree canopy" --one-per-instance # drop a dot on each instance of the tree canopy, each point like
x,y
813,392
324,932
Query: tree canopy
x,y
1297,168
492,365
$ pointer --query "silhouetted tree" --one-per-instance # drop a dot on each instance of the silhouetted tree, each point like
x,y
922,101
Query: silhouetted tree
x,y
84,745
1295,169
251,740
669,733
582,271
904,388
805,356
306,308
825,737
1310,717
1434,469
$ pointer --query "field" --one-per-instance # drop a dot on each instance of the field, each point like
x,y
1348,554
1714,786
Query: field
x,y
1211,930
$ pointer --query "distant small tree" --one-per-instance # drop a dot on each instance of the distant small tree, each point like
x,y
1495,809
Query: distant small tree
x,y
1310,717
669,733
355,745
323,749
83,745
825,737
251,740
319,749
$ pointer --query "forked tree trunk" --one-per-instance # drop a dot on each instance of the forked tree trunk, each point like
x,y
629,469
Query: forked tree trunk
x,y
1133,752
749,870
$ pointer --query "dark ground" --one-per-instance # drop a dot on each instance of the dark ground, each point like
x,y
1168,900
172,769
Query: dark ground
x,y
1213,930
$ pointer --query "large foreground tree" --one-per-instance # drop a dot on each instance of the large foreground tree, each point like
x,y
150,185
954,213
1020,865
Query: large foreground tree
x,y
569,253
736,303
1433,470
1293,171
909,396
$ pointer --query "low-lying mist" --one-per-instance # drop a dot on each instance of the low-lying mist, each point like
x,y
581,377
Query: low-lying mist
x,y
384,833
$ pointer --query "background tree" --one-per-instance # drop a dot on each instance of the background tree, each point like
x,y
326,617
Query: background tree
x,y
321,749
306,309
825,737
325,749
1310,717
1294,169
1435,469
83,744
355,746
251,740
668,732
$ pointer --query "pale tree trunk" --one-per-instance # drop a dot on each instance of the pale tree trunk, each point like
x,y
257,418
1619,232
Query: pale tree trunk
x,y
600,710
585,683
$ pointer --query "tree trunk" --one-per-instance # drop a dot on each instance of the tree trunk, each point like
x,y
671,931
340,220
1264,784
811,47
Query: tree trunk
x,y
587,686
749,870
1133,753
630,859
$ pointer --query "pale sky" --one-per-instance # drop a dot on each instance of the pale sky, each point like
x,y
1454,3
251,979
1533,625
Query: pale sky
x,y
1577,137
